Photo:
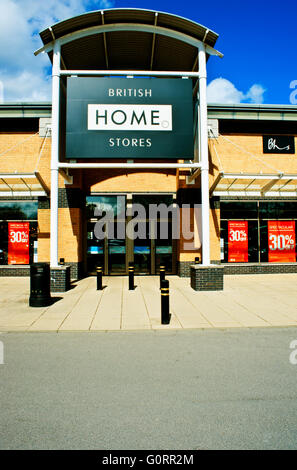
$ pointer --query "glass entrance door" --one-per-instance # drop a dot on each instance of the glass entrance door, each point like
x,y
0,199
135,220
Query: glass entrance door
x,y
95,250
155,249
109,250
164,248
151,253
116,256
110,254
115,249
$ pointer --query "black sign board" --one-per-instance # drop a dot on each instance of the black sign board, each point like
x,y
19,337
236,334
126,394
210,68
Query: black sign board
x,y
129,118
278,144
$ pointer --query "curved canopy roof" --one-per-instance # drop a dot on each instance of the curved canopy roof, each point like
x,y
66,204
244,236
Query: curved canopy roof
x,y
134,39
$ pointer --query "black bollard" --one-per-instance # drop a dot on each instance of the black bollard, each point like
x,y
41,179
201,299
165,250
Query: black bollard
x,y
99,277
131,276
162,274
197,260
165,316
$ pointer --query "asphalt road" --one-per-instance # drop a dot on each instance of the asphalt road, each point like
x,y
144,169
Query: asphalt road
x,y
212,389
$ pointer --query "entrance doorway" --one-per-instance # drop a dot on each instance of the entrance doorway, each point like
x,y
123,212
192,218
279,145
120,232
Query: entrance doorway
x,y
151,253
108,253
114,250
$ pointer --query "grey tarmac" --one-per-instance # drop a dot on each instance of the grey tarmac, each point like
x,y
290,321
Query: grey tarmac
x,y
177,389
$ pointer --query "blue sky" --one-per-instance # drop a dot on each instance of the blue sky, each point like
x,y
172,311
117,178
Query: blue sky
x,y
258,39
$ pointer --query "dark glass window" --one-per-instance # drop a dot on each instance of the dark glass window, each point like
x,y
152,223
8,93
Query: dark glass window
x,y
263,241
18,210
231,210
224,241
145,199
19,124
253,241
105,203
278,210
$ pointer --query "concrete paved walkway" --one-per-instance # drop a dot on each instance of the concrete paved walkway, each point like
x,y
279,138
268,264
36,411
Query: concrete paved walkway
x,y
247,301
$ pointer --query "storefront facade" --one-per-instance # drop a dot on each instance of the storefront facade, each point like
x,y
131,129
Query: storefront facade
x,y
255,187
230,172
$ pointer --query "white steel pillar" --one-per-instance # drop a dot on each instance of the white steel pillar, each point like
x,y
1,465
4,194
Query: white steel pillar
x,y
55,154
203,135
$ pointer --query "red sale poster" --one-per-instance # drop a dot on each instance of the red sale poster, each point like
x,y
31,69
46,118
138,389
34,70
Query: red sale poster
x,y
281,241
238,242
18,243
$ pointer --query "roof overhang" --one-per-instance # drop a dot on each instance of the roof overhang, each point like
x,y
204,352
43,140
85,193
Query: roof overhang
x,y
22,184
260,184
121,39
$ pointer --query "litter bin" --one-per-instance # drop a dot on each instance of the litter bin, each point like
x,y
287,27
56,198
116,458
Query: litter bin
x,y
39,285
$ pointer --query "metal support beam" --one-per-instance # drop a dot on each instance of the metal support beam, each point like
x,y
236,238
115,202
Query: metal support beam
x,y
141,73
41,182
146,28
195,134
204,156
285,184
257,176
104,41
27,186
54,39
268,186
273,178
231,184
194,175
55,154
216,182
164,166
195,64
250,184
153,42
66,176
3,181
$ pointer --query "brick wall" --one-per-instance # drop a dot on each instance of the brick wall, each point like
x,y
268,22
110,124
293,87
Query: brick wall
x,y
60,279
70,229
117,180
263,268
234,160
15,271
207,278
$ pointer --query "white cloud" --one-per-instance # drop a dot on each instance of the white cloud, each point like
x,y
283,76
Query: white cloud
x,y
221,90
27,86
24,76
255,94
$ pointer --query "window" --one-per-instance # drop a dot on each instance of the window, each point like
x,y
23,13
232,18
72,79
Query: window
x,y
258,214
278,210
239,210
18,210
18,232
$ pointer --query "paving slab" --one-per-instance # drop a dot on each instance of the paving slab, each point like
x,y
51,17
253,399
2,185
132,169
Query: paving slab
x,y
247,301
83,312
108,315
134,311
